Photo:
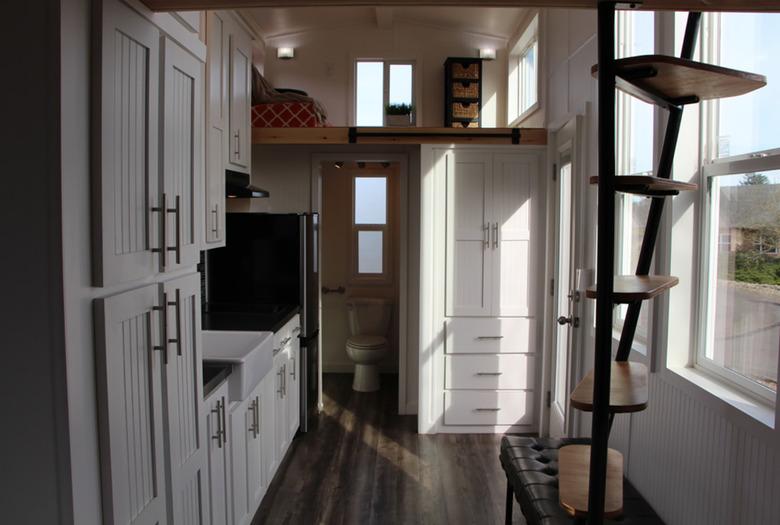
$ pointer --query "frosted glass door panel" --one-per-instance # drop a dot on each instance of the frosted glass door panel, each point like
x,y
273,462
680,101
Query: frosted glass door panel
x,y
370,251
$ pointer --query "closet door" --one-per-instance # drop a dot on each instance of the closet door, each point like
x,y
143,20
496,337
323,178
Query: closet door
x,y
129,361
515,180
125,179
240,99
469,216
184,400
182,156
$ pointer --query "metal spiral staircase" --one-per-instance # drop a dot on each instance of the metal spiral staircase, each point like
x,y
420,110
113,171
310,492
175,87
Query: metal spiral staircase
x,y
591,476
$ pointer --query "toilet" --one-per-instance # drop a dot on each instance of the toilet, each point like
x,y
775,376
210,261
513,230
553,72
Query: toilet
x,y
369,321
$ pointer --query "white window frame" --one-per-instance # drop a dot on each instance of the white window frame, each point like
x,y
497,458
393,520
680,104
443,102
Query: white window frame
x,y
529,39
386,277
386,86
710,242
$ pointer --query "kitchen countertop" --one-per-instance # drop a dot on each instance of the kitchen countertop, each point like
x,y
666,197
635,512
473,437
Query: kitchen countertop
x,y
260,318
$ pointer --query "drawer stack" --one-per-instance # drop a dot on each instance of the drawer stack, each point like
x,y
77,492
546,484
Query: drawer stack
x,y
489,371
462,92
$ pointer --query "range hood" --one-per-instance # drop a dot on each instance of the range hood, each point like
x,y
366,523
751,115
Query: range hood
x,y
237,185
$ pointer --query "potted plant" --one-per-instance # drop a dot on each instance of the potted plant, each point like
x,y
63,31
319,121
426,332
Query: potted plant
x,y
399,115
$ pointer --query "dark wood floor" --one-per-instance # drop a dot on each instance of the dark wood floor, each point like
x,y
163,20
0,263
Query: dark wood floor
x,y
362,463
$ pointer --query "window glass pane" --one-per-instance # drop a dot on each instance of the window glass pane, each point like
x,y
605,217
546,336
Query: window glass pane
x,y
370,252
400,84
370,200
634,211
744,289
528,78
369,109
748,123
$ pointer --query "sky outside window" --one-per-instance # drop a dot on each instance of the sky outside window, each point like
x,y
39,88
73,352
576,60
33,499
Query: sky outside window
x,y
370,94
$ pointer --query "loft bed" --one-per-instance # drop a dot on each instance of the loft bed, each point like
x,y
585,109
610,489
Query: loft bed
x,y
284,108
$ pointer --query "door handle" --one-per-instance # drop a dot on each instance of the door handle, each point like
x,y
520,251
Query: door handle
x,y
163,346
162,209
489,337
573,321
339,290
215,211
177,212
177,304
495,235
486,235
292,372
237,136
218,412
489,373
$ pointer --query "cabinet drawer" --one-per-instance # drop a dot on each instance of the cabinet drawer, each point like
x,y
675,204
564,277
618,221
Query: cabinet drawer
x,y
465,110
489,335
465,89
465,124
466,407
468,71
490,372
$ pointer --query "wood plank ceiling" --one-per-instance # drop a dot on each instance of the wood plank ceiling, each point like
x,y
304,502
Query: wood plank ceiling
x,y
674,5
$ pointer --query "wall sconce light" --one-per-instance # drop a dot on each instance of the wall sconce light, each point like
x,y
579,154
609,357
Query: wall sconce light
x,y
285,53
487,54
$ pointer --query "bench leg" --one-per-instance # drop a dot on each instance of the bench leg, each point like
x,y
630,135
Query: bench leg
x,y
510,496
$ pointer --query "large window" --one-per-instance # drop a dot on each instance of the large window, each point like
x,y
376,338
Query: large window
x,y
739,314
634,157
524,73
379,83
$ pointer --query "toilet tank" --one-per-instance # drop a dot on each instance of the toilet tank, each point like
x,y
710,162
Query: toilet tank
x,y
369,315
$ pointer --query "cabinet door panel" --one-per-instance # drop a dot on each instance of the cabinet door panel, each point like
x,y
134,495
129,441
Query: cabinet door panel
x,y
238,443
216,126
126,179
184,395
254,457
293,389
281,409
469,182
240,99
218,458
182,151
514,190
129,376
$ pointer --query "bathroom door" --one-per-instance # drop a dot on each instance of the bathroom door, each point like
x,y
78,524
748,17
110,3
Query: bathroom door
x,y
359,251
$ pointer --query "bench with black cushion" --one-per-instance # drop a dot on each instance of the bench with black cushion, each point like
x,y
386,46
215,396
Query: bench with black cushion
x,y
531,466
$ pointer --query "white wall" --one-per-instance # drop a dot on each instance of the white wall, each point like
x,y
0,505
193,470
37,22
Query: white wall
x,y
696,459
323,66
286,172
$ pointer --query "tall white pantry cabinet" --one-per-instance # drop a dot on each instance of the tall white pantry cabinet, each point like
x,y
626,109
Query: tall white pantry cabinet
x,y
488,228
147,215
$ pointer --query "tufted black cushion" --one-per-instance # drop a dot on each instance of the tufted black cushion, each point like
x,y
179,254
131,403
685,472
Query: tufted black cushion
x,y
531,466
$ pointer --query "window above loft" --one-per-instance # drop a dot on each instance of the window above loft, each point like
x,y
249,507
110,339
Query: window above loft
x,y
524,71
379,83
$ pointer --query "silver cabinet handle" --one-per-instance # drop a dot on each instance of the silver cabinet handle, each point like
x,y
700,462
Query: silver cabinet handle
x,y
177,304
280,373
257,415
224,422
237,136
177,212
292,372
487,409
284,380
215,211
495,235
162,209
486,235
285,341
489,337
218,412
489,373
163,346
253,406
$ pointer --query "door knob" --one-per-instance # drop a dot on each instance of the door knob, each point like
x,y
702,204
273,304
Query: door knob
x,y
574,321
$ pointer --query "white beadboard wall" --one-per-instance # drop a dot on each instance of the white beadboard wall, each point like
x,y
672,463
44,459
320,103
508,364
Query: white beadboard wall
x,y
695,466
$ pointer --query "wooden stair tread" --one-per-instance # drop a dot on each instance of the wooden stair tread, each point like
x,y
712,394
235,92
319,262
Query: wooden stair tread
x,y
627,389
631,288
573,475
648,185
678,79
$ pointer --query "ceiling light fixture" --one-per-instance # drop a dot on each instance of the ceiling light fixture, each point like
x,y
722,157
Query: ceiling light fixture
x,y
285,53
487,53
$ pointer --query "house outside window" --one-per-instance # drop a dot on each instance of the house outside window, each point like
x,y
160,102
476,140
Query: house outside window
x,y
524,70
739,307
380,82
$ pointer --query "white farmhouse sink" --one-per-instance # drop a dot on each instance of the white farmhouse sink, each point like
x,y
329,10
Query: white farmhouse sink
x,y
250,354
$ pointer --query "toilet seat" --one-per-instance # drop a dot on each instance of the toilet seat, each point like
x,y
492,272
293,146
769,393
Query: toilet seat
x,y
366,342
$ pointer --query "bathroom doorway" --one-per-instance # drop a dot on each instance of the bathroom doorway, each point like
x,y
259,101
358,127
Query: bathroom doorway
x,y
360,255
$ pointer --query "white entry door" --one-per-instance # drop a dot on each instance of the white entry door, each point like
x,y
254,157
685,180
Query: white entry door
x,y
565,302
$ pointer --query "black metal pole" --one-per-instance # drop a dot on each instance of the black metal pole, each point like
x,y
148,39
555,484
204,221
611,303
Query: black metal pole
x,y
605,262
664,171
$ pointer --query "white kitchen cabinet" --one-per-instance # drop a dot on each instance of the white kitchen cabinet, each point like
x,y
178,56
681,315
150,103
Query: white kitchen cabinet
x,y
489,212
292,388
240,100
148,181
218,42
126,185
182,156
129,371
186,451
248,434
217,442
281,406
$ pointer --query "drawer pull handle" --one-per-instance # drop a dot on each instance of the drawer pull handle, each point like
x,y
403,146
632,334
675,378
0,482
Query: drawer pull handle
x,y
489,373
486,409
485,337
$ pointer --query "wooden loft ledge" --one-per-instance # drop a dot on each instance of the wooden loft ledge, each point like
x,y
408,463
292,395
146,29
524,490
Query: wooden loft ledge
x,y
343,135
651,5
